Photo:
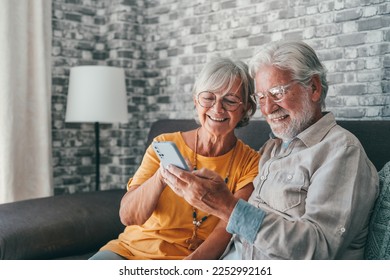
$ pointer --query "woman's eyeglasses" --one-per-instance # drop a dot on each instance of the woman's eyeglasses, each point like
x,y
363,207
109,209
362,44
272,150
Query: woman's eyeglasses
x,y
207,99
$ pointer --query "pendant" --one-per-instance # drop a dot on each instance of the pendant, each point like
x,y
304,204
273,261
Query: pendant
x,y
194,242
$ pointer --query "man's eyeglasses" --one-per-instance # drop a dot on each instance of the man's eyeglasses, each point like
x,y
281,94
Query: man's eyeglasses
x,y
207,99
276,94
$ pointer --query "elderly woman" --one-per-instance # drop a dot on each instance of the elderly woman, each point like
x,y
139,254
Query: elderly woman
x,y
162,225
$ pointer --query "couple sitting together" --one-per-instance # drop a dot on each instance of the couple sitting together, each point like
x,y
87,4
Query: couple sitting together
x,y
307,194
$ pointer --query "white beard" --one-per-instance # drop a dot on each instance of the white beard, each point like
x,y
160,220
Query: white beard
x,y
287,131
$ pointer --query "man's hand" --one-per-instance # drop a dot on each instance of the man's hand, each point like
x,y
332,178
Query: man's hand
x,y
203,189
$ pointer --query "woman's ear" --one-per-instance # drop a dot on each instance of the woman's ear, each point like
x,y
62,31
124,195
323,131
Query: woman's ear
x,y
248,108
248,104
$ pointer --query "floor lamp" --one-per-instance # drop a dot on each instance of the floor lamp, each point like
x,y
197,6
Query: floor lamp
x,y
97,94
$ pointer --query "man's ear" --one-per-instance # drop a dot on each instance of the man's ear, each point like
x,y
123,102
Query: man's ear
x,y
316,88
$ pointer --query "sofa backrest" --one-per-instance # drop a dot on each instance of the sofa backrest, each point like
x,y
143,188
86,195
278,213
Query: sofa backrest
x,y
374,135
375,138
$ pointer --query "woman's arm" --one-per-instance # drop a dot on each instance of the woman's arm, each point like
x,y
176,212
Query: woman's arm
x,y
216,242
138,204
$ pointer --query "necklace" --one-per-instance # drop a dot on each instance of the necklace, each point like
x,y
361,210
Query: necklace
x,y
194,241
195,159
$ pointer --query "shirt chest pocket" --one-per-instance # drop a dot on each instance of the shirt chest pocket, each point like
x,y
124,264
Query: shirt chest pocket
x,y
284,190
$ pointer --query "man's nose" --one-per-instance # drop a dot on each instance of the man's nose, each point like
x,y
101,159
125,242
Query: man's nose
x,y
269,106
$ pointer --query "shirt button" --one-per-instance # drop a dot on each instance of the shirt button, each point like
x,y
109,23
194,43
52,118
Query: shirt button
x,y
342,229
262,178
289,177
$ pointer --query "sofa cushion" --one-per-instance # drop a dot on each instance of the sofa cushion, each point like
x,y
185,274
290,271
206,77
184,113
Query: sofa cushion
x,y
378,243
69,226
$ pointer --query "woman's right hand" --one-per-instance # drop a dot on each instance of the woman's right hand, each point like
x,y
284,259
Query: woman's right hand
x,y
139,202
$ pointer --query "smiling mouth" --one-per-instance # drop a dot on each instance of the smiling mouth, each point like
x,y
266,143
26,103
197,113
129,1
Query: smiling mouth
x,y
217,119
277,119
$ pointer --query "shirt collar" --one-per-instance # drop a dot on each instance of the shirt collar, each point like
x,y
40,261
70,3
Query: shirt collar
x,y
317,131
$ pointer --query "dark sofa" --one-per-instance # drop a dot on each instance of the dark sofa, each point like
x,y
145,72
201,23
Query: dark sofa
x,y
77,225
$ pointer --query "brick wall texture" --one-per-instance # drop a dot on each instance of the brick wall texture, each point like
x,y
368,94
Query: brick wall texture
x,y
162,45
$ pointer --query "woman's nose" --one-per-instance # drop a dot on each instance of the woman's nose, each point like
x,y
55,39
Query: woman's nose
x,y
218,106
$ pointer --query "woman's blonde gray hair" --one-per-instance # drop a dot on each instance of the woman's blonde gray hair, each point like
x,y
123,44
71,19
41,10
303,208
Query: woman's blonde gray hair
x,y
220,74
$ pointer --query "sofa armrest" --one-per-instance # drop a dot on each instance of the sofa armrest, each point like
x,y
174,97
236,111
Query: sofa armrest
x,y
59,226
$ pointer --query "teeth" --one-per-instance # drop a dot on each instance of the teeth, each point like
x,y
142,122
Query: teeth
x,y
278,118
217,119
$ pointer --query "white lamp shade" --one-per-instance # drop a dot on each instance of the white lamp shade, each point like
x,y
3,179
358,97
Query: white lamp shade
x,y
97,94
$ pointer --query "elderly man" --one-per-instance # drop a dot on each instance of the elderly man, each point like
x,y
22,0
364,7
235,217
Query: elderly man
x,y
315,188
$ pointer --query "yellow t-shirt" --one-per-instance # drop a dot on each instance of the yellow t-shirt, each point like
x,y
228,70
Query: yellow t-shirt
x,y
164,234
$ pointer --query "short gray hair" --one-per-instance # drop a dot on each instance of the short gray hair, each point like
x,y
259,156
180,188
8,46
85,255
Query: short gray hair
x,y
294,56
221,73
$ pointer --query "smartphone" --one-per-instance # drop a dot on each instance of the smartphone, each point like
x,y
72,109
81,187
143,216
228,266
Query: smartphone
x,y
168,153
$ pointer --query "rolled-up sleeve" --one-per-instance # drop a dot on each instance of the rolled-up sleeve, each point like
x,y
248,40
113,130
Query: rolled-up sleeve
x,y
245,220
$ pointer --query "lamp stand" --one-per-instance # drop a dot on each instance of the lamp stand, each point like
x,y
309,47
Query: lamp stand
x,y
97,161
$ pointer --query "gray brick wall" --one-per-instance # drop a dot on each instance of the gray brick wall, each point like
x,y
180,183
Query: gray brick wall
x,y
97,32
163,45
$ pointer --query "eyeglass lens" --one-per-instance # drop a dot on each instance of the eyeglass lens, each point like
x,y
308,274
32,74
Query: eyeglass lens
x,y
230,102
276,94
